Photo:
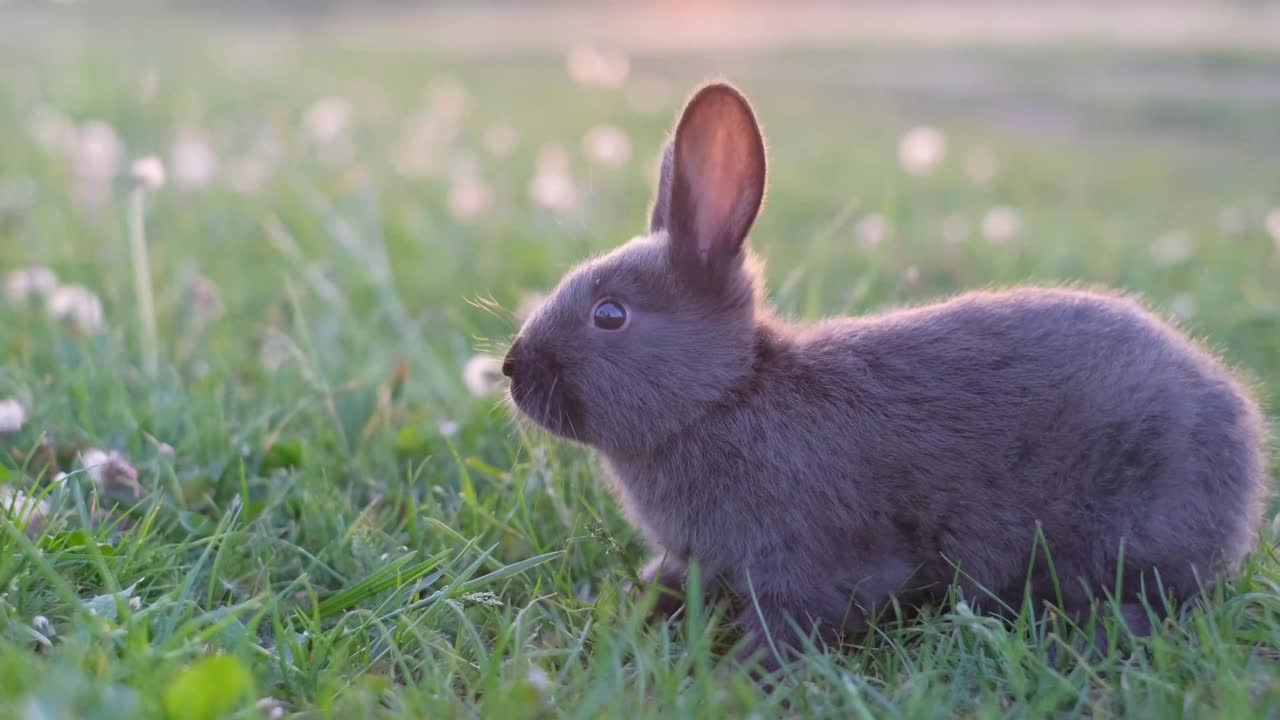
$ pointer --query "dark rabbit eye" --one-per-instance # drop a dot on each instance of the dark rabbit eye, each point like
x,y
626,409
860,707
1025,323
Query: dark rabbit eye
x,y
609,315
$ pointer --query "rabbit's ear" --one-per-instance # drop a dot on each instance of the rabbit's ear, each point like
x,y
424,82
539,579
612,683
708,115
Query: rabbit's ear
x,y
717,180
662,200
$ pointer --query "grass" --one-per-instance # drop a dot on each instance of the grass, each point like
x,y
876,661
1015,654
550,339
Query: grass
x,y
326,520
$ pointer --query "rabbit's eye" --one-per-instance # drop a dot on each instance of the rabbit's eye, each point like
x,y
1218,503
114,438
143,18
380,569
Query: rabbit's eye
x,y
609,315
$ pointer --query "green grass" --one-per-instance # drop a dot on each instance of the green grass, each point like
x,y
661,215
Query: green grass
x,y
314,527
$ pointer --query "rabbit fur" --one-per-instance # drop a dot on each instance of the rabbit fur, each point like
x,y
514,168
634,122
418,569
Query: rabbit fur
x,y
821,470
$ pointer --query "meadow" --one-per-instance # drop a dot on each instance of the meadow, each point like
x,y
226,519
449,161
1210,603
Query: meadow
x,y
264,468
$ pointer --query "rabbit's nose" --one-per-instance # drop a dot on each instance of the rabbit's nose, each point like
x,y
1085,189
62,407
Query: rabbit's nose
x,y
509,362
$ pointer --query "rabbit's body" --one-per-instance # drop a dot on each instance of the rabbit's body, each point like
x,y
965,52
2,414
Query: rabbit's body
x,y
896,454
819,469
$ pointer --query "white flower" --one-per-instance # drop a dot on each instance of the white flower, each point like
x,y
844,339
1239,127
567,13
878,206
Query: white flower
x,y
956,229
98,152
326,120
96,157
1173,248
1272,223
921,150
448,428
43,626
501,139
1183,306
1231,221
870,231
911,276
482,375
271,708
193,161
592,67
469,197
12,416
1001,224
109,469
607,145
981,165
538,679
18,504
148,172
76,306
27,283
554,191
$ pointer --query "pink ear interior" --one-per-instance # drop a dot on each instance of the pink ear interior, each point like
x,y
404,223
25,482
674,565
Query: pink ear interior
x,y
719,156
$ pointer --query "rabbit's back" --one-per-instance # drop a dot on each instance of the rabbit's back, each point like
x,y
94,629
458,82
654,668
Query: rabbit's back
x,y
1078,411
897,453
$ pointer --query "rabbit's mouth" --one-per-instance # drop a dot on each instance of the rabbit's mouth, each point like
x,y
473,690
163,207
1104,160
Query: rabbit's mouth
x,y
540,392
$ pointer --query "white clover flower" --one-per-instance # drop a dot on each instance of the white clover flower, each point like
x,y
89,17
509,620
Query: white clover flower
x,y
110,469
12,416
1173,248
193,161
98,152
538,679
607,146
18,504
76,306
554,191
921,150
147,172
482,375
27,283
326,120
469,197
1002,224
592,67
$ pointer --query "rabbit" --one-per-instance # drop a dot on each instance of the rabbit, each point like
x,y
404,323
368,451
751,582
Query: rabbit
x,y
823,471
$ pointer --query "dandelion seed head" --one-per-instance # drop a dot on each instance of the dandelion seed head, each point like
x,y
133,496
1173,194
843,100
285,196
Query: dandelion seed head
x,y
77,307
193,161
1173,248
921,150
12,416
482,375
23,285
607,146
147,172
1002,224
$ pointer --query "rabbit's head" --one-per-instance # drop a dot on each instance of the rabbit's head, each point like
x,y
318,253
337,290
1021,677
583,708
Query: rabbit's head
x,y
637,344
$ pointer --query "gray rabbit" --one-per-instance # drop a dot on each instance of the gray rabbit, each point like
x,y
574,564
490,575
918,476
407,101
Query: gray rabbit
x,y
819,470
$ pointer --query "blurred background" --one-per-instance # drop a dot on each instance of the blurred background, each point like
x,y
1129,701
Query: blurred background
x,y
348,190
259,260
